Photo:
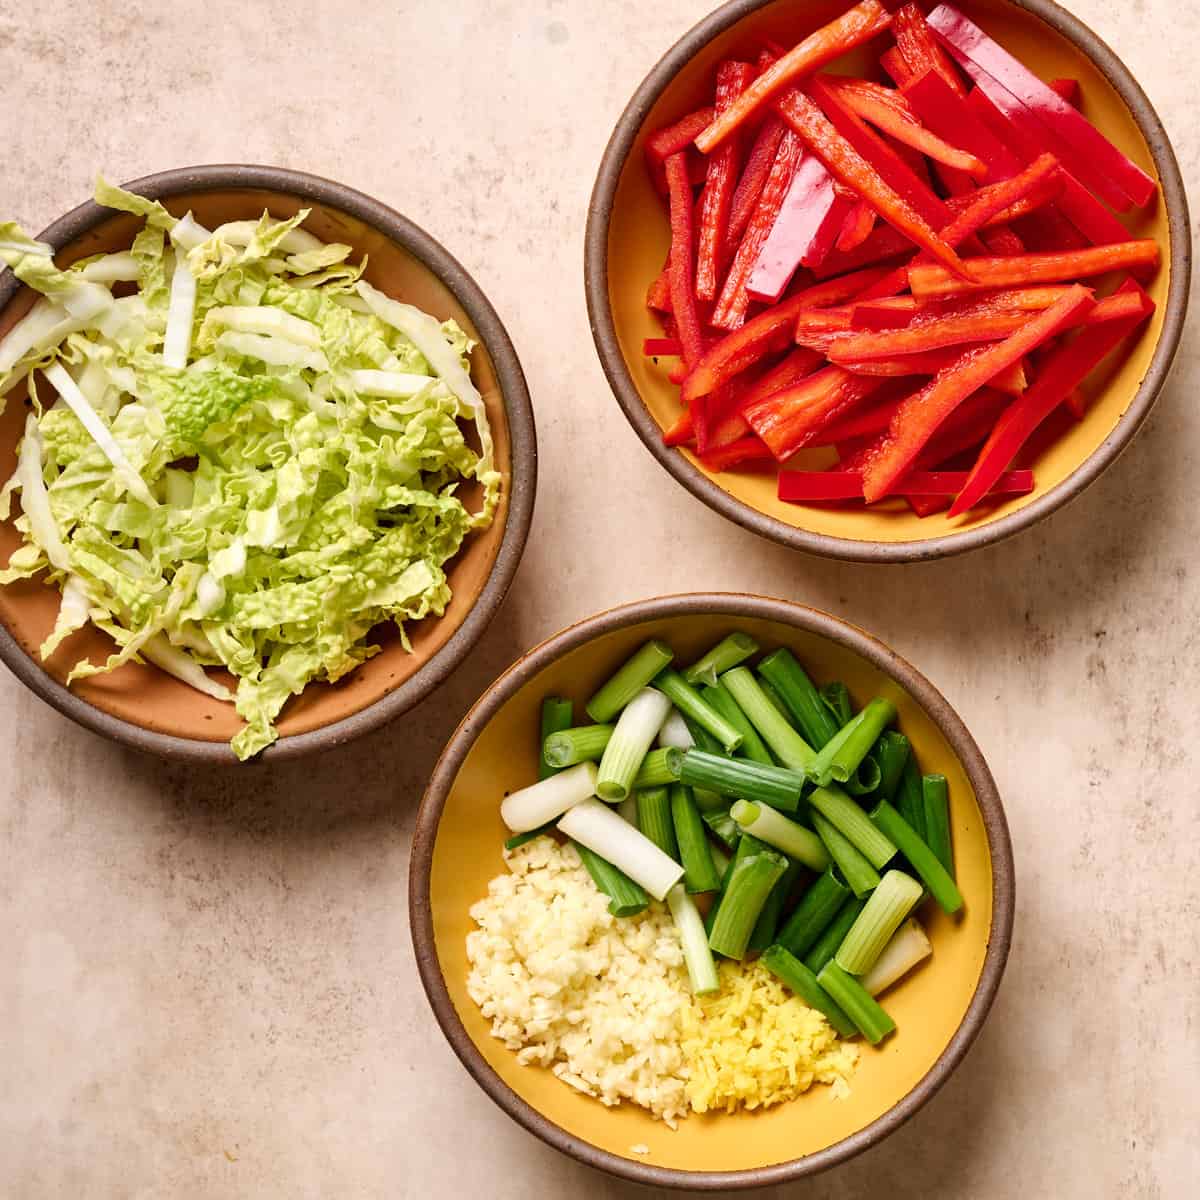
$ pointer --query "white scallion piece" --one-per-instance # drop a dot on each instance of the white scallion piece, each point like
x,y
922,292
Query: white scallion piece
x,y
76,401
181,311
534,806
702,971
601,829
628,809
909,946
674,732
639,722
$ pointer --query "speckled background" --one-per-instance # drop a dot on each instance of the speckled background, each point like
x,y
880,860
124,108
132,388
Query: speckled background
x,y
206,982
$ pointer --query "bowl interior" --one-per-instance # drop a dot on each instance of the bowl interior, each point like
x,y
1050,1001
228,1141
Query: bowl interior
x,y
639,237
149,698
928,1007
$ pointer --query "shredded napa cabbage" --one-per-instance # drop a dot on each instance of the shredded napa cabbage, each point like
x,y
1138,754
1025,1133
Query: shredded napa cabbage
x,y
246,458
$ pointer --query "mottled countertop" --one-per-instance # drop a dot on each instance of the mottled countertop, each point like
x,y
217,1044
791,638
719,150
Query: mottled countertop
x,y
206,982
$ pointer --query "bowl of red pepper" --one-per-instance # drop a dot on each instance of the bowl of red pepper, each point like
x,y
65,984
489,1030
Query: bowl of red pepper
x,y
888,285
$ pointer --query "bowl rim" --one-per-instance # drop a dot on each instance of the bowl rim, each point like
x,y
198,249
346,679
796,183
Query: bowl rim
x,y
734,605
522,484
608,347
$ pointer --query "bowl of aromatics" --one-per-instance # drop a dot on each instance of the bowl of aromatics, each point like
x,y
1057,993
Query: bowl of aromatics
x,y
711,891
888,282
269,462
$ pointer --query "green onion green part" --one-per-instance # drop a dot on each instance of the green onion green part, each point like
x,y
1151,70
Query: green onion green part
x,y
865,779
776,830
557,714
892,753
727,653
842,754
637,727
750,883
699,871
654,819
633,676
752,746
707,801
784,742
520,839
800,696
835,933
886,907
861,877
625,898
765,928
655,770
817,908
935,876
837,700
935,792
910,802
853,824
584,743
702,970
776,786
799,979
691,704
722,826
775,700
856,1002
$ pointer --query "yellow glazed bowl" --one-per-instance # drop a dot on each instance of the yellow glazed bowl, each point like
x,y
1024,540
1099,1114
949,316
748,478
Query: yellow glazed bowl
x,y
939,1009
628,237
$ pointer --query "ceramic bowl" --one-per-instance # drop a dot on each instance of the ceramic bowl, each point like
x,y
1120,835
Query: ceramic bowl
x,y
142,706
939,1009
627,240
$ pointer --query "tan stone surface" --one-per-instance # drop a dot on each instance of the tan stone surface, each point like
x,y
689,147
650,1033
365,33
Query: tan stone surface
x,y
206,982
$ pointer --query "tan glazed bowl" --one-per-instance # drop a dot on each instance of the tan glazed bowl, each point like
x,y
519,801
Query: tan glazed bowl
x,y
939,1010
144,707
628,237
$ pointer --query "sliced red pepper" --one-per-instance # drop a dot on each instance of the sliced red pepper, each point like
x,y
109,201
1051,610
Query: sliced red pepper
x,y
735,454
1014,125
1085,150
918,46
683,289
1012,381
754,177
802,215
884,244
892,312
717,198
887,110
789,371
965,429
1038,196
661,347
951,117
788,420
919,419
893,63
770,331
858,425
658,295
734,300
1076,401
857,227
852,28
1058,377
845,162
801,487
676,137
932,279
1068,90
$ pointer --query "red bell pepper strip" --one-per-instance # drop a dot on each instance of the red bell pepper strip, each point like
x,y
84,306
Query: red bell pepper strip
x,y
1038,196
806,487
658,295
883,245
932,279
788,420
683,291
1013,124
661,347
920,417
857,227
887,110
717,198
805,209
798,365
1086,151
1077,403
892,312
1068,90
745,450
684,429
893,63
966,428
673,139
864,424
1058,377
1012,381
770,331
730,309
951,117
845,162
754,177
852,28
917,44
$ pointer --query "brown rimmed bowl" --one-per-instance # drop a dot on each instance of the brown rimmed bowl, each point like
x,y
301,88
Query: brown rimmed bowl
x,y
939,1009
627,240
147,709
